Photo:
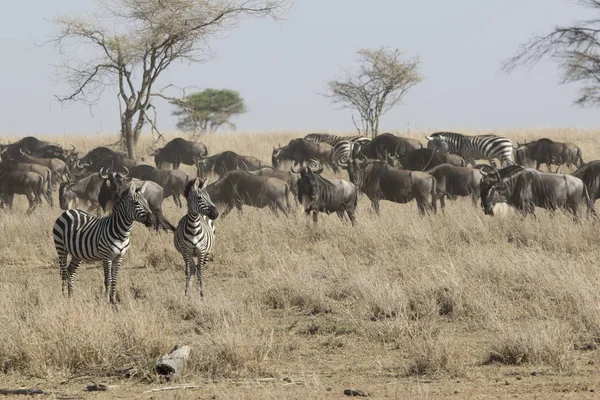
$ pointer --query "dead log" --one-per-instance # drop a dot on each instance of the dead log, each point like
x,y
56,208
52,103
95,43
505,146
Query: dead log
x,y
27,392
170,365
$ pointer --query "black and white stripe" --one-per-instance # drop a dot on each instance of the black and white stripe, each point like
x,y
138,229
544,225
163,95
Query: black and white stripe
x,y
471,148
89,238
195,234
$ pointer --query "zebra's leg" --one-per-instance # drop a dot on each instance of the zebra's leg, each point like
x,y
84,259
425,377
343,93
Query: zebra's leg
x,y
190,271
107,265
71,272
200,270
116,264
64,275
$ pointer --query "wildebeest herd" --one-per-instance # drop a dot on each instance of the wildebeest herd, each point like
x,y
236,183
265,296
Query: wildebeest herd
x,y
387,167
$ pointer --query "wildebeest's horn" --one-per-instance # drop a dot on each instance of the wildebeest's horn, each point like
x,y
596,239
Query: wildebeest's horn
x,y
72,147
428,138
294,170
101,173
21,151
126,170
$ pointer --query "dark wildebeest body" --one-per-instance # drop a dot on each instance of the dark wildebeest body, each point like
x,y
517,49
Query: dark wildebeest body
x,y
456,181
238,188
379,181
180,151
386,147
29,144
286,176
85,189
112,162
60,170
28,183
526,189
172,181
549,152
318,194
98,154
590,175
45,172
225,162
424,159
114,183
300,151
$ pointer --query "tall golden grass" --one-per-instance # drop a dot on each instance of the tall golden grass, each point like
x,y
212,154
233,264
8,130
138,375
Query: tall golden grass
x,y
453,296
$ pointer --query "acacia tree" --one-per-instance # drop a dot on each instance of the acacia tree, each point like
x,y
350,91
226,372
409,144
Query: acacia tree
x,y
383,78
132,42
208,110
575,48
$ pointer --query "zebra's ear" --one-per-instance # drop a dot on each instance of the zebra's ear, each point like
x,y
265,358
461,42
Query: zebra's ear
x,y
142,189
197,183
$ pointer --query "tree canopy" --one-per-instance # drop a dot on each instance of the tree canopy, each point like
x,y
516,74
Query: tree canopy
x,y
575,48
381,82
208,110
133,42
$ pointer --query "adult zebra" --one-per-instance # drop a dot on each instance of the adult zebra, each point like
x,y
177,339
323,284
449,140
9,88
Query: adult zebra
x,y
343,148
471,148
195,235
89,238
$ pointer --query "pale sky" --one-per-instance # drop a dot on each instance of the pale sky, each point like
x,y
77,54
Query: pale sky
x,y
281,68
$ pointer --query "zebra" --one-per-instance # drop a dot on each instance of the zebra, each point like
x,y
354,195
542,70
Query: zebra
x,y
322,137
89,238
195,236
473,148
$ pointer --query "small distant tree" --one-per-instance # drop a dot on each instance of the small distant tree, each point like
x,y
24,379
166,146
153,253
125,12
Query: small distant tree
x,y
383,79
208,110
575,48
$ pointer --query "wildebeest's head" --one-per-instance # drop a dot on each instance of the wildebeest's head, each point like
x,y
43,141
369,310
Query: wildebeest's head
x,y
276,157
198,199
494,190
355,168
66,198
308,184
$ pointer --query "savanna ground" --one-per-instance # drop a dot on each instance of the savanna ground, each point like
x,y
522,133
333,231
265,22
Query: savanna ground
x,y
458,305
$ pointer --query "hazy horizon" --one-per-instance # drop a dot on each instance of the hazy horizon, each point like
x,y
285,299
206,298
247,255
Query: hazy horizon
x,y
281,68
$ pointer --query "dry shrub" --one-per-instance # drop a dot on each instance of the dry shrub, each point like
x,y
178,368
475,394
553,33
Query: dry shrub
x,y
543,343
431,353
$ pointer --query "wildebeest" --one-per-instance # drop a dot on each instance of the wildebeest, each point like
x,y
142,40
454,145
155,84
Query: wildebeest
x,y
60,170
180,151
287,176
27,183
379,181
96,155
546,151
86,189
456,181
424,159
172,181
226,161
238,188
29,144
590,175
47,187
300,151
113,162
318,194
115,183
386,147
526,189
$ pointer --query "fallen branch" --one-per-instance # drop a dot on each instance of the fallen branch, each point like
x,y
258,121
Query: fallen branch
x,y
174,388
27,392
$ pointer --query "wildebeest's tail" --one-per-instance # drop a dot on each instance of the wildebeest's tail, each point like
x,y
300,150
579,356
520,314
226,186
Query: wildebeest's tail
x,y
434,194
588,201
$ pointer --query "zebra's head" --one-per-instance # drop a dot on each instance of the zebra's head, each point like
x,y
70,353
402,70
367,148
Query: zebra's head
x,y
136,205
198,199
437,142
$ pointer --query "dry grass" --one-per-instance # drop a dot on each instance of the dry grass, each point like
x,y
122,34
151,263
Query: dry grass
x,y
395,298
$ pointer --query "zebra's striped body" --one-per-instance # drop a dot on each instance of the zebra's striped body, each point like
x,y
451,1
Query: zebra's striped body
x,y
471,148
195,236
343,147
89,238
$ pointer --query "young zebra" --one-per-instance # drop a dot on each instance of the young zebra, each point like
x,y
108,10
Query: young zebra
x,y
195,236
89,238
471,148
